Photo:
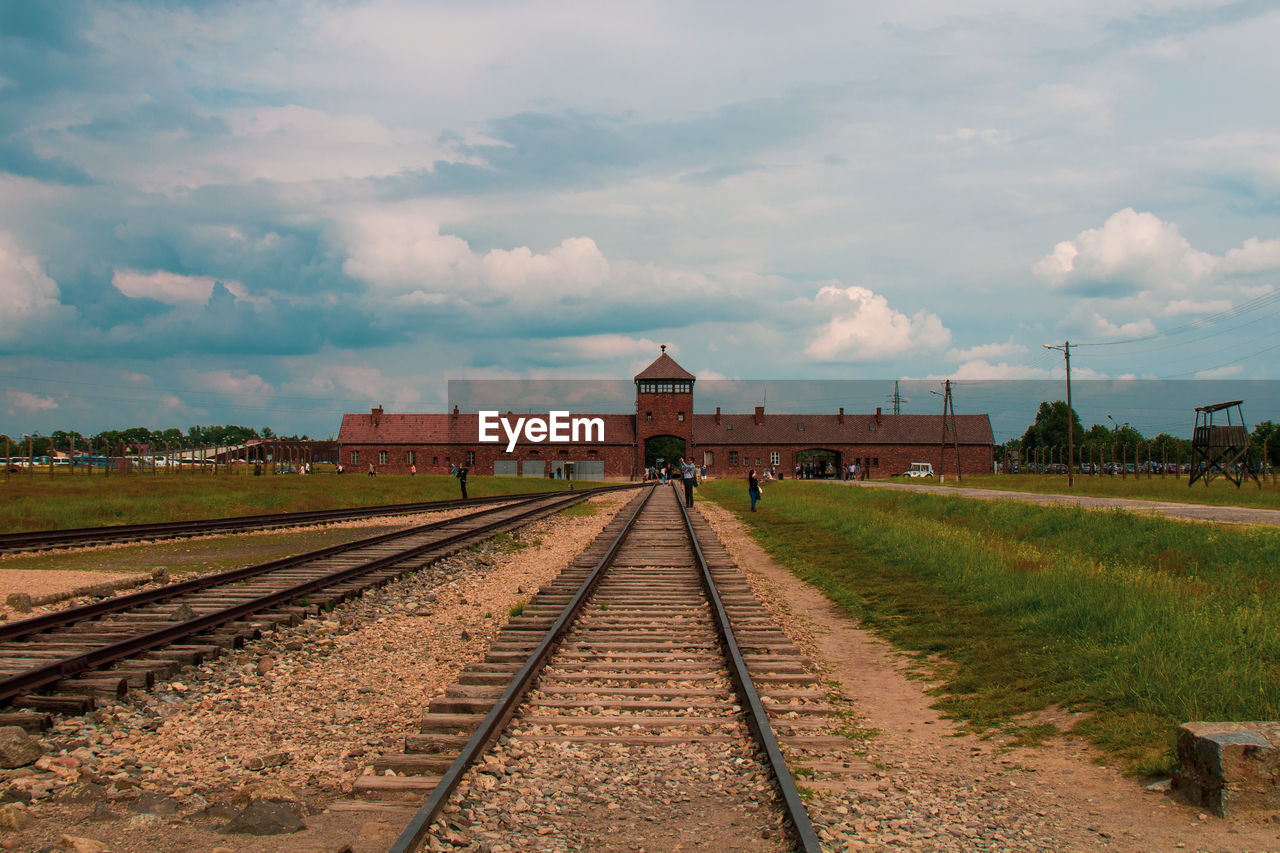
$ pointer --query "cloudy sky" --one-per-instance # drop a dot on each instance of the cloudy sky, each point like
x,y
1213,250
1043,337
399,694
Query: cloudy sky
x,y
275,212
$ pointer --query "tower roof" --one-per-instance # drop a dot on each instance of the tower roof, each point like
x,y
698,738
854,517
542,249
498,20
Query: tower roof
x,y
664,367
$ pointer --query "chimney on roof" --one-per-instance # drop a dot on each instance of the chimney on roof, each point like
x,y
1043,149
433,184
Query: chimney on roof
x,y
455,413
376,415
717,414
840,417
759,415
877,415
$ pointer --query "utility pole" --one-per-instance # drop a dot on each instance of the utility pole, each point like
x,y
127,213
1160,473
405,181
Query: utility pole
x,y
948,426
897,399
1071,415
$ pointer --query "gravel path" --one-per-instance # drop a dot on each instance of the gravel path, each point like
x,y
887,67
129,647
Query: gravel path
x,y
1169,509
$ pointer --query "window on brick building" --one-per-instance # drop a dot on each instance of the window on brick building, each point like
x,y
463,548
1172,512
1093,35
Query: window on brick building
x,y
355,457
729,427
680,416
648,416
875,463
471,458
410,458
733,459
775,458
708,458
435,460
382,457
800,426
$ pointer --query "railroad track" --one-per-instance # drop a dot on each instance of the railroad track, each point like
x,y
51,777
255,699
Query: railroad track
x,y
65,660
651,638
80,537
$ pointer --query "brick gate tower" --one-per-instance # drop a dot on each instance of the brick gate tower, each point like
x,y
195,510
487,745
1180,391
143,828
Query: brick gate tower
x,y
664,405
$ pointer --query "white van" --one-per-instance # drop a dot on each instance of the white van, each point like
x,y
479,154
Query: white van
x,y
919,469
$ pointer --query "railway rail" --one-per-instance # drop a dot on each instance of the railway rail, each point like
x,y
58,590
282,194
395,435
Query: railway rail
x,y
79,537
63,661
651,637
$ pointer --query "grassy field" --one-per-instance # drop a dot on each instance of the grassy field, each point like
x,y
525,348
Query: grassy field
x,y
1144,622
1220,492
47,503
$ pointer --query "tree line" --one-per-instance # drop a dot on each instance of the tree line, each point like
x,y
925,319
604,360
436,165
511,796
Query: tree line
x,y
112,440
1050,431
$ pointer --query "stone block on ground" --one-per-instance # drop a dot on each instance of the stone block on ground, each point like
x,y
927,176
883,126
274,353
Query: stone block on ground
x,y
263,817
17,748
1229,768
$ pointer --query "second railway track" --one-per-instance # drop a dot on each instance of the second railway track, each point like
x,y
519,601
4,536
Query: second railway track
x,y
64,660
81,537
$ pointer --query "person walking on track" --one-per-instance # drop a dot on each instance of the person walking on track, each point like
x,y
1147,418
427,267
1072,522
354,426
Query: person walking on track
x,y
689,474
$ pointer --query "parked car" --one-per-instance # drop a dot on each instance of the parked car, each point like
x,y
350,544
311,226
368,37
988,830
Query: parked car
x,y
919,469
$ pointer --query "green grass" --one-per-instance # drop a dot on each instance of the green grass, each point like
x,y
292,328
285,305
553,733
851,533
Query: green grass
x,y
1144,622
37,502
1220,492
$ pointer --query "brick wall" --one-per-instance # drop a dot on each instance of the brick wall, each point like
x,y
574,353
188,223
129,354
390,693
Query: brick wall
x,y
665,410
881,460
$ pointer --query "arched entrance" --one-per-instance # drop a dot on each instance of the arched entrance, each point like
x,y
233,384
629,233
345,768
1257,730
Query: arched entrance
x,y
819,464
662,450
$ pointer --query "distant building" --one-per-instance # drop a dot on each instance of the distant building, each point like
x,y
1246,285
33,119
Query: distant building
x,y
727,444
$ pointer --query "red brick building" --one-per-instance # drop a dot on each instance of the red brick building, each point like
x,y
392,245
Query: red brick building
x,y
727,444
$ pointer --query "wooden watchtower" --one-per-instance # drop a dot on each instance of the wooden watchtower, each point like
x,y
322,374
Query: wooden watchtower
x,y
1220,448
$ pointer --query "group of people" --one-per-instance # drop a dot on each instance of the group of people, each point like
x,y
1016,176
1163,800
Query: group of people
x,y
673,471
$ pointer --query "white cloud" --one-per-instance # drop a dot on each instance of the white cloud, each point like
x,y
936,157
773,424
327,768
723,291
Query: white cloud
x,y
982,369
966,136
1193,306
1101,327
28,403
366,384
1255,256
864,327
28,297
402,254
234,383
610,346
1220,372
175,289
1131,250
987,351
1137,266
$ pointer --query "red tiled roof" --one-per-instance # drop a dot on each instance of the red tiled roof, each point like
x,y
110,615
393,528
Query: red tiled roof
x,y
448,429
827,429
664,367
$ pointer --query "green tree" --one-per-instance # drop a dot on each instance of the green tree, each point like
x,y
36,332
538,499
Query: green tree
x,y
1265,442
1050,428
